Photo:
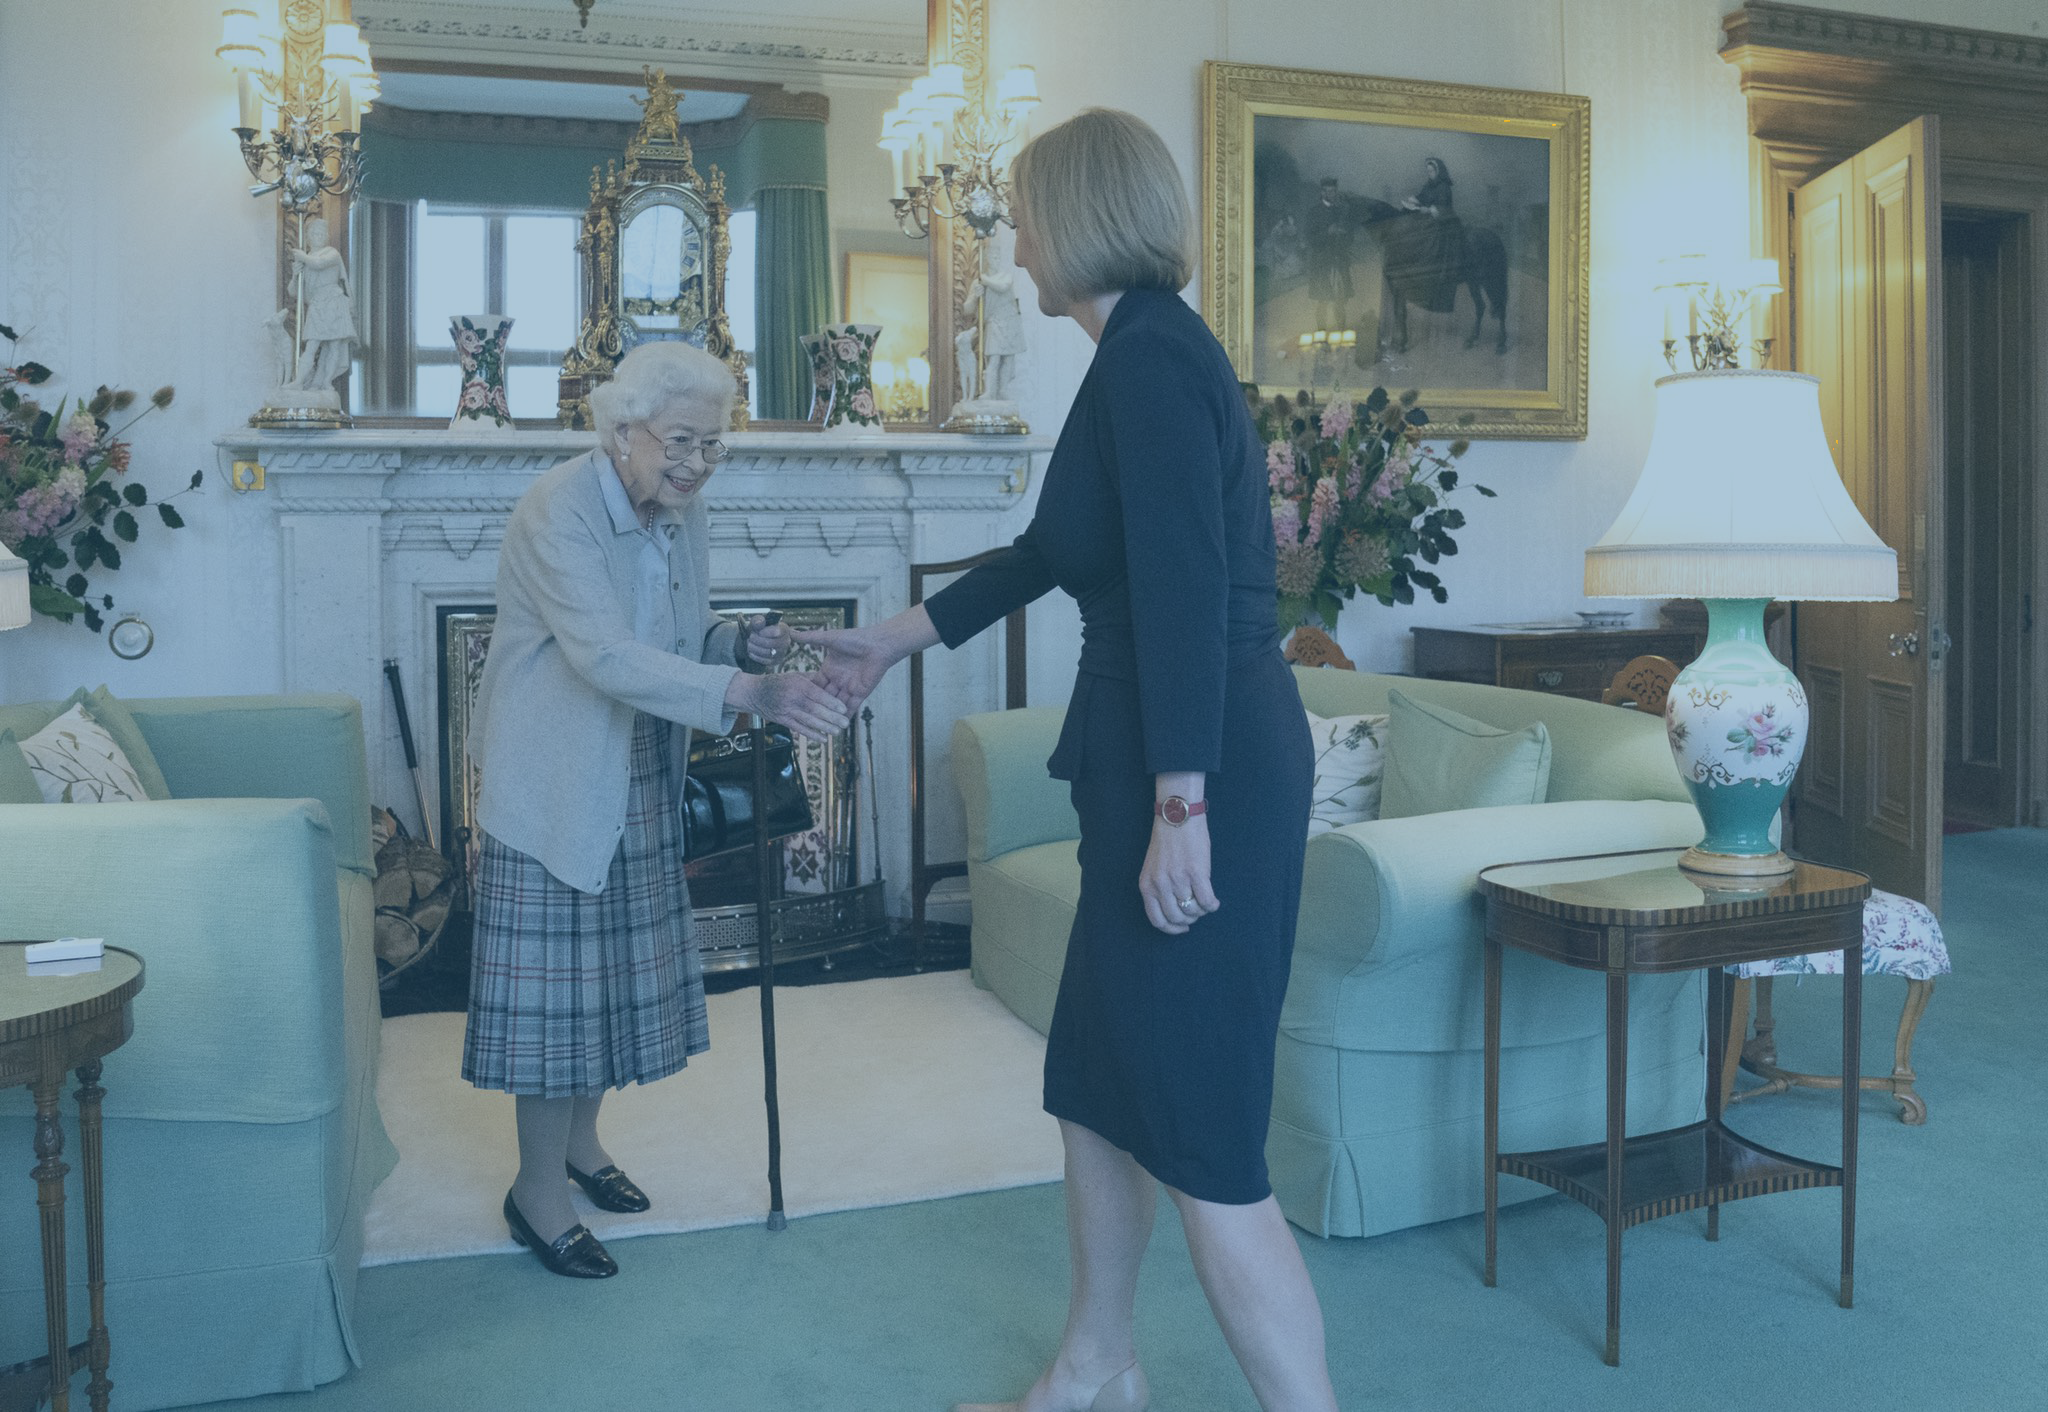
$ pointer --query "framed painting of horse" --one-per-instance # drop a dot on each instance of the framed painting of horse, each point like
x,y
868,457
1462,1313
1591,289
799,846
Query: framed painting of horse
x,y
1371,232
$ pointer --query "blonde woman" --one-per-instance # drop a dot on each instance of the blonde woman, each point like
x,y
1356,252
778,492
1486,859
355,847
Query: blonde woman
x,y
585,976
1189,761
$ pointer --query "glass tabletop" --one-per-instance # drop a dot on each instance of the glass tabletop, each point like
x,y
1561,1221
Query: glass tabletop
x,y
1610,888
23,996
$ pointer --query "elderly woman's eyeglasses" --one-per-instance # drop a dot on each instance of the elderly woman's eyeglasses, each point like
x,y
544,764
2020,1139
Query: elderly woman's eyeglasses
x,y
681,448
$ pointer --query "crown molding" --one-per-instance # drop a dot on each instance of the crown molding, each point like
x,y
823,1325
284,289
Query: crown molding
x,y
715,42
1770,25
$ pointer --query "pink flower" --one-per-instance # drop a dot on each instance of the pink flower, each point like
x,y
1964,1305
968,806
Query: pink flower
x,y
498,402
845,350
864,403
1336,420
474,396
1322,509
470,342
1354,480
1286,523
79,435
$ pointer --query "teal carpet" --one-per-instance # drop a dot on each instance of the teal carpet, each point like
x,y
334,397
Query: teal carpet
x,y
908,1309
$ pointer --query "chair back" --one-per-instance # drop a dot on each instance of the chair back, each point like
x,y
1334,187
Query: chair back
x,y
1642,685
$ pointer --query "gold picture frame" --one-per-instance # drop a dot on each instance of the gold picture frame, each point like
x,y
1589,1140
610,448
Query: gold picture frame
x,y
1473,292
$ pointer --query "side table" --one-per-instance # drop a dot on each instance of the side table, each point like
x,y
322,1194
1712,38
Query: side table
x,y
50,1024
1635,913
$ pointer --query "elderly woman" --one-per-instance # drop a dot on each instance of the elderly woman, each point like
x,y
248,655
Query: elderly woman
x,y
1190,766
586,975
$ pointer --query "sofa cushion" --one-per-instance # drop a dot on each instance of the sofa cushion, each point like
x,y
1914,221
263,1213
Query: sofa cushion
x,y
1350,760
1024,906
75,761
17,782
1439,760
111,715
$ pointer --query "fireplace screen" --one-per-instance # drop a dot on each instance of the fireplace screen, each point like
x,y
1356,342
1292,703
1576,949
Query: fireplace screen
x,y
824,860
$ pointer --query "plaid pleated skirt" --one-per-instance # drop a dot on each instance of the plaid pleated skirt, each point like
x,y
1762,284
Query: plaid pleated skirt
x,y
572,993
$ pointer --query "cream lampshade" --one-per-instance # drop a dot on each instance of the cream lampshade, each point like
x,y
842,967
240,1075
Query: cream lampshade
x,y
14,609
1739,503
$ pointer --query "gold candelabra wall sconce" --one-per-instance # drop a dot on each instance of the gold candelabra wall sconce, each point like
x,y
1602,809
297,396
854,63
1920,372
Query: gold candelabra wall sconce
x,y
1724,307
947,153
302,83
903,392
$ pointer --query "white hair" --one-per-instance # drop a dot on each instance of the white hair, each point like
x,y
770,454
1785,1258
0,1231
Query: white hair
x,y
653,376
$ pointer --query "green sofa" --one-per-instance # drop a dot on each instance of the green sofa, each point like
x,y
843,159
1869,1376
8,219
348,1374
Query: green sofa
x,y
1377,1092
242,1133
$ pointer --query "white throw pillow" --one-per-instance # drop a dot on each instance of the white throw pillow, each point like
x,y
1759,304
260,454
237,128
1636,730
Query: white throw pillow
x,y
75,761
1350,761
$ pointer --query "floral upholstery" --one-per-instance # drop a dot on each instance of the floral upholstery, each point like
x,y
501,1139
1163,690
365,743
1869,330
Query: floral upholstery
x,y
1900,938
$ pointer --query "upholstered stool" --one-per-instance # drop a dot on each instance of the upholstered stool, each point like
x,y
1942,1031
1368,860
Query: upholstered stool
x,y
1900,938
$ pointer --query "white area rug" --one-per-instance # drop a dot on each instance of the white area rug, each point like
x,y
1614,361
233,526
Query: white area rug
x,y
894,1090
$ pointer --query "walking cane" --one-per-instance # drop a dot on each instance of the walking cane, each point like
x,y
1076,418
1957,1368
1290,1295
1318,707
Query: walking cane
x,y
764,935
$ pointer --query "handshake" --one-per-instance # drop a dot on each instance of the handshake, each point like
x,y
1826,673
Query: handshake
x,y
822,702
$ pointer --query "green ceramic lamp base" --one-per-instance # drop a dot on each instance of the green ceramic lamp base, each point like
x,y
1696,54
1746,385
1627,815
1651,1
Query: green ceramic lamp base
x,y
1736,718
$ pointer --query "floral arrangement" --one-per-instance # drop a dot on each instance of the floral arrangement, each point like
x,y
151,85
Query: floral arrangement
x,y
61,493
1357,500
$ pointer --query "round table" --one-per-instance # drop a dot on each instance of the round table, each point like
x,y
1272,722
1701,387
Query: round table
x,y
51,1023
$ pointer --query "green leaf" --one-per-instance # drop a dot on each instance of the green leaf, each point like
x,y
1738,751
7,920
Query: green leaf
x,y
1440,594
1293,612
92,618
109,555
1404,592
45,599
171,518
1416,417
1454,519
76,585
124,529
1429,551
34,374
87,550
7,333
1448,479
134,494
1447,545
200,476
1484,491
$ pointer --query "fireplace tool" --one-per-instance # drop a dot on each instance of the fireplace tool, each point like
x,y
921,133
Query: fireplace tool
x,y
415,885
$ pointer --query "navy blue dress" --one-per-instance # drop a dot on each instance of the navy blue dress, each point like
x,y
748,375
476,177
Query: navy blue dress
x,y
1155,516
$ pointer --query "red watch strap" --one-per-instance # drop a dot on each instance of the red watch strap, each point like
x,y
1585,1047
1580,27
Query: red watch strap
x,y
1177,811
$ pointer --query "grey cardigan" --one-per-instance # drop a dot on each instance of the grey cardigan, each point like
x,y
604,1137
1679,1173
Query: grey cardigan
x,y
553,725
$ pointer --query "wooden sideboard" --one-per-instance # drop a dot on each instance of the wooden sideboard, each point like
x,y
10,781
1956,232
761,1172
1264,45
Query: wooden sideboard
x,y
1568,661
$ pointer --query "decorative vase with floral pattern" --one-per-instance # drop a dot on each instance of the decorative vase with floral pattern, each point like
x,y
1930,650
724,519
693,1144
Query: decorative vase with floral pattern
x,y
480,347
854,406
819,353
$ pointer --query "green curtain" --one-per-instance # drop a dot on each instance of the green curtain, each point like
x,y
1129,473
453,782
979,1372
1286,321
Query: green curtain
x,y
792,293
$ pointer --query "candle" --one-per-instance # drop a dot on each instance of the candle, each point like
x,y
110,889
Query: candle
x,y
245,99
1307,339
344,106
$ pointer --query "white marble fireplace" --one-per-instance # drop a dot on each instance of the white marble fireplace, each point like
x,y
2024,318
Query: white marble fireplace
x,y
380,530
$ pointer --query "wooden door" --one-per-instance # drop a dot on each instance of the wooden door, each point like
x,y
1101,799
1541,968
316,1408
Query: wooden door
x,y
1866,260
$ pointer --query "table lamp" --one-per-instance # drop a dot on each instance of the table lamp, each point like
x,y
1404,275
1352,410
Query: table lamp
x,y
1739,503
14,609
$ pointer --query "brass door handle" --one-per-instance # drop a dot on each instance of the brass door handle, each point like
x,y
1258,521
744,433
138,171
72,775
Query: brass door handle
x,y
1904,644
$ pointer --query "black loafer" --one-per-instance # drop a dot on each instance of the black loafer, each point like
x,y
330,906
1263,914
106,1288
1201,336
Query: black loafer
x,y
575,1252
610,1189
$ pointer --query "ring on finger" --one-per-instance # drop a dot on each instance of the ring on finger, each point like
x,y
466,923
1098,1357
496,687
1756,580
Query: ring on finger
x,y
1187,904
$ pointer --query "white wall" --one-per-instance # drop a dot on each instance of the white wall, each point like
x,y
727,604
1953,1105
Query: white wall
x,y
134,257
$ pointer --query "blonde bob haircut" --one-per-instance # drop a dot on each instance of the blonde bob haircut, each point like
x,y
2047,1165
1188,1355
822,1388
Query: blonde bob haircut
x,y
1106,208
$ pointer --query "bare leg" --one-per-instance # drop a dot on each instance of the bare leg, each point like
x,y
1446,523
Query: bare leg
x,y
541,1191
1110,1204
1252,1271
586,1153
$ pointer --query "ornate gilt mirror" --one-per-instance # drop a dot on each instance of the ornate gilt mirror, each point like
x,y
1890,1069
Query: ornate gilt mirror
x,y
653,249
478,160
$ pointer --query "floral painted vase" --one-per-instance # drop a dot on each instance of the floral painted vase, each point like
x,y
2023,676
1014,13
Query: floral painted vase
x,y
852,347
819,353
480,347
1736,719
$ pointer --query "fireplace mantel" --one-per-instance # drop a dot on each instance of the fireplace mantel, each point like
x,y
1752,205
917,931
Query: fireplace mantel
x,y
380,529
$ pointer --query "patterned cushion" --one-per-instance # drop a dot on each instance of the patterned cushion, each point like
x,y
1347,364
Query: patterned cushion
x,y
1350,760
1900,938
75,761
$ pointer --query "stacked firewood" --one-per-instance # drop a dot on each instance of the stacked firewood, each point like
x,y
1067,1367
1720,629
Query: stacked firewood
x,y
414,890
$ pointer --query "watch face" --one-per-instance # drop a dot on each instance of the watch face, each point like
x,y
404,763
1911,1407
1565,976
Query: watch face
x,y
1173,809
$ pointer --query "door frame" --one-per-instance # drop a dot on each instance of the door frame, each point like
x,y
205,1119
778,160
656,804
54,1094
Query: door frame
x,y
1821,85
